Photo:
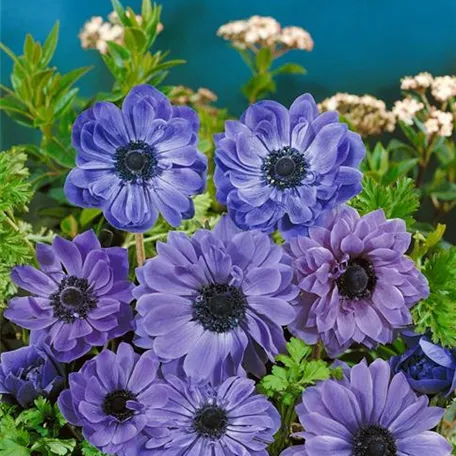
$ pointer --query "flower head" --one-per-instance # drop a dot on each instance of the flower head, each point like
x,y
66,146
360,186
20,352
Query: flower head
x,y
136,162
429,368
286,168
444,88
406,109
439,123
368,414
420,82
79,297
114,397
356,283
27,373
367,114
220,296
229,419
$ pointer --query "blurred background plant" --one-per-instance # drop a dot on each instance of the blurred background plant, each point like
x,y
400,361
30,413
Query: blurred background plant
x,y
260,41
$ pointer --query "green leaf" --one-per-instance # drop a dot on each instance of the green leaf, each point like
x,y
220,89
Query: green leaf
x,y
64,102
290,68
68,79
29,47
55,446
119,53
399,200
59,153
146,9
298,349
135,39
87,215
50,44
264,59
423,244
10,54
69,226
11,448
89,450
438,312
118,8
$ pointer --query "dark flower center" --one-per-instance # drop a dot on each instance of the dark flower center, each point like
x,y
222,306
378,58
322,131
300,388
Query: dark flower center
x,y
72,296
73,299
358,280
115,404
136,161
285,168
210,421
374,441
219,308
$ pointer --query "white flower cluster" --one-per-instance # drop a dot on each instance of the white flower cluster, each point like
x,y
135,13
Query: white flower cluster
x,y
439,123
259,31
406,109
96,33
368,115
182,95
443,88
419,82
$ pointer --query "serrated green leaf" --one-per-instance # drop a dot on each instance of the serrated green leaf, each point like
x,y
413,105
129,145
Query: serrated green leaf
x,y
400,200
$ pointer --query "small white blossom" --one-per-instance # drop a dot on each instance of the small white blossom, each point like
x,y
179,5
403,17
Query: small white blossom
x,y
439,123
420,81
444,87
406,109
296,38
367,114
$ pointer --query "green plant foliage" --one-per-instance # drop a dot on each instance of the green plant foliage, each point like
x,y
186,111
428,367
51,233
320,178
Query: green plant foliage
x,y
294,372
380,166
438,311
15,194
132,63
89,450
40,95
399,200
33,431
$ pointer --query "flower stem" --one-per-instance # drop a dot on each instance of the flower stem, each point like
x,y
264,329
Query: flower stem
x,y
140,250
281,439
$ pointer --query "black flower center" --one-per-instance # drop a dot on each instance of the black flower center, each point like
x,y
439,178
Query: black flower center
x,y
115,404
210,421
72,296
374,441
136,162
219,308
358,280
73,299
285,168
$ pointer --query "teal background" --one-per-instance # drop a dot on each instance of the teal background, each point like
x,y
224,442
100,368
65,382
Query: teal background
x,y
361,46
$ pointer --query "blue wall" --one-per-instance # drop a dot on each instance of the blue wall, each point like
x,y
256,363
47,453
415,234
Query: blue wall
x,y
361,46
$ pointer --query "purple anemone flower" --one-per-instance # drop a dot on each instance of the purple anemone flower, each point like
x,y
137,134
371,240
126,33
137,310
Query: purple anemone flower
x,y
368,414
114,397
229,420
215,301
356,283
429,368
136,162
79,298
27,373
280,168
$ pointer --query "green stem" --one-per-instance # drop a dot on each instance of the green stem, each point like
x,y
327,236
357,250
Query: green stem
x,y
282,437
